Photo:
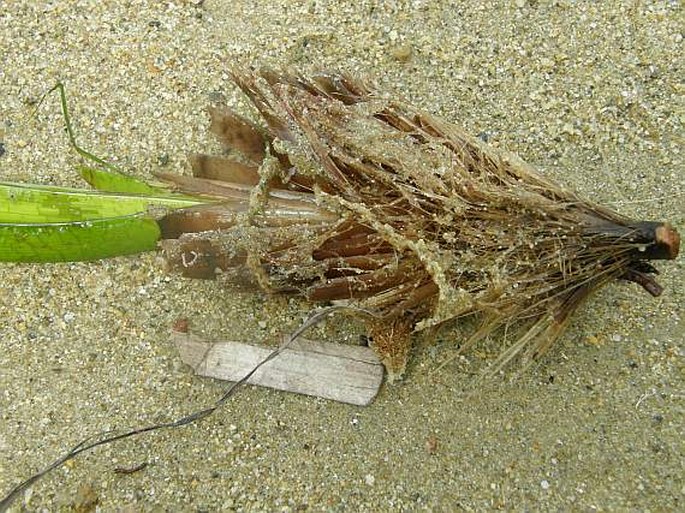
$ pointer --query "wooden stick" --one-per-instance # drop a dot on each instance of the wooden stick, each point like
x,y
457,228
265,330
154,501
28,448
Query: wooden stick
x,y
349,374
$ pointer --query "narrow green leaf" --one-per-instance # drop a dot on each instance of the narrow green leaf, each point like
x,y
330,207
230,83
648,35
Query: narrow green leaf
x,y
111,181
20,203
78,241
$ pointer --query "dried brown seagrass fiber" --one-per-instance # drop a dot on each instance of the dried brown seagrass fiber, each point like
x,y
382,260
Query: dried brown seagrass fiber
x,y
348,194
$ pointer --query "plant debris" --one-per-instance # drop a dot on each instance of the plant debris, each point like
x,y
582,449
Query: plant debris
x,y
349,195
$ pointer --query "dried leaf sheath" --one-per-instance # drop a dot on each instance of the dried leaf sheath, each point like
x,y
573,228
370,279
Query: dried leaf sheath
x,y
359,196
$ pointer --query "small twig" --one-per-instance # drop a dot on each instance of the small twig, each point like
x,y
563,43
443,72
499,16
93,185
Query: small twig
x,y
131,470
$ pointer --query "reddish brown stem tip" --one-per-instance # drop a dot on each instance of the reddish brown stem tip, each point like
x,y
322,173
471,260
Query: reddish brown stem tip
x,y
668,238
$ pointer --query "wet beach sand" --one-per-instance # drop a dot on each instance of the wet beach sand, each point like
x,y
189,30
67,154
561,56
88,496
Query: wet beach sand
x,y
590,93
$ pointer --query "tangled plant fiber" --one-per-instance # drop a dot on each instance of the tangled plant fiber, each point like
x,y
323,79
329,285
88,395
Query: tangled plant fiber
x,y
347,194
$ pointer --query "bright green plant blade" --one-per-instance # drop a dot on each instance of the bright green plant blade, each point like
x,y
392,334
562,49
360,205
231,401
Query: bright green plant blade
x,y
41,223
108,180
22,203
78,240
111,181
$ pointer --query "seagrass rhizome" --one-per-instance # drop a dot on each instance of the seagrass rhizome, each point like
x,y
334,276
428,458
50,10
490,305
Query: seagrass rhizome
x,y
348,194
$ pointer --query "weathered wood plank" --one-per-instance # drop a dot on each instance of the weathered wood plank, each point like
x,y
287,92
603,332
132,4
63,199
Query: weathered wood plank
x,y
349,374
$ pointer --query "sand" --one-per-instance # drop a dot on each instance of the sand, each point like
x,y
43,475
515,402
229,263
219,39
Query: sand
x,y
589,92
